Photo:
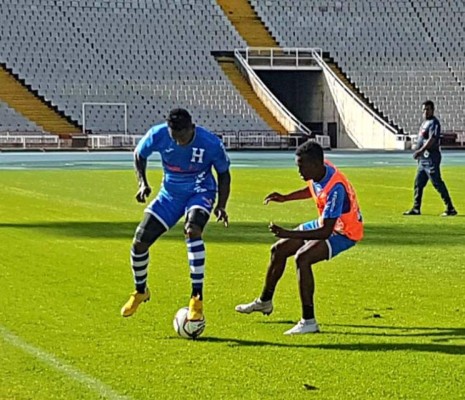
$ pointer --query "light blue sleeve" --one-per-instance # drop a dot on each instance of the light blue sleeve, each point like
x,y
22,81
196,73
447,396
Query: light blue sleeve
x,y
149,143
221,161
335,203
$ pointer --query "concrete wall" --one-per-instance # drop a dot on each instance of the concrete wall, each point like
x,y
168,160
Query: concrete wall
x,y
366,129
307,95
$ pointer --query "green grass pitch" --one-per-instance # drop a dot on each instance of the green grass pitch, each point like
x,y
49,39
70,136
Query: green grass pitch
x,y
392,309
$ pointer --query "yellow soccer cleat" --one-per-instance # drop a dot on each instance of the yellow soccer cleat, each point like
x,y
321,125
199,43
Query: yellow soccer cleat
x,y
134,301
195,309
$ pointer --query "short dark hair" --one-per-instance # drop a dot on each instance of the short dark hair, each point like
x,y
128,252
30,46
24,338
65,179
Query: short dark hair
x,y
428,103
312,150
179,119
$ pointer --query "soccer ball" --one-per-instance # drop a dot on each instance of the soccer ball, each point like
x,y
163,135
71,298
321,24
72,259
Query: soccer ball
x,y
184,327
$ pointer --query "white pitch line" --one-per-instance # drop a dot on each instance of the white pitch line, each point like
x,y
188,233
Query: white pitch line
x,y
91,383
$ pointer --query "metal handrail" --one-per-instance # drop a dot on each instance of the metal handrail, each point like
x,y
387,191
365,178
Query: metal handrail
x,y
281,50
323,65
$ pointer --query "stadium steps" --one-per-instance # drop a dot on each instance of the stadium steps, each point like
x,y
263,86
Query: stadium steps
x,y
32,106
351,86
228,66
246,21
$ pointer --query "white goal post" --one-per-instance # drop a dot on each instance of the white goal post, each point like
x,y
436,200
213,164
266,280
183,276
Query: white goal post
x,y
124,105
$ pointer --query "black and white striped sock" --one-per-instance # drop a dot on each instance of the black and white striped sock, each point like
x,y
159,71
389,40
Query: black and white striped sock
x,y
139,264
196,256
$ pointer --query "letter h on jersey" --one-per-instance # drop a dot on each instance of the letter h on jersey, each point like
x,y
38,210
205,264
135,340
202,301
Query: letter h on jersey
x,y
197,155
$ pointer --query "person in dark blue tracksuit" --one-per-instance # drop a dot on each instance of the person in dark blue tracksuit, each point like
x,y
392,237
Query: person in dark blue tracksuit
x,y
428,155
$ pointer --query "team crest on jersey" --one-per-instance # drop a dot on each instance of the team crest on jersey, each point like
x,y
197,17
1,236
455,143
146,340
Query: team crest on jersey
x,y
197,155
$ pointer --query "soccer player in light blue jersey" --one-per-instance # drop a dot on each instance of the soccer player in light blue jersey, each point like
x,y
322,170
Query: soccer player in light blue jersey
x,y
188,189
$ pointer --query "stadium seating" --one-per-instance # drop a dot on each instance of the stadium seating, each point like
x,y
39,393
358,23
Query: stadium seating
x,y
448,31
12,122
156,54
152,55
398,53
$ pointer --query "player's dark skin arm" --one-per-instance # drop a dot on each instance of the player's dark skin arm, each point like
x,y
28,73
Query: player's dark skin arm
x,y
300,194
425,147
140,166
224,188
322,233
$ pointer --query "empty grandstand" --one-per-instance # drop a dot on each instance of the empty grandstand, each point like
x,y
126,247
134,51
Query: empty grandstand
x,y
127,52
152,55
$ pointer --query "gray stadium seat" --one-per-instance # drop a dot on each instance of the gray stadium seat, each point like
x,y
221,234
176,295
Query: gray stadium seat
x,y
12,122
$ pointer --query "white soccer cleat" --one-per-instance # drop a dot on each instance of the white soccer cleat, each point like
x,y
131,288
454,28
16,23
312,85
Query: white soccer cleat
x,y
304,326
265,307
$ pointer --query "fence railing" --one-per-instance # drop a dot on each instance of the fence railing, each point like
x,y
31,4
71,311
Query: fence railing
x,y
448,138
232,140
269,140
282,58
30,141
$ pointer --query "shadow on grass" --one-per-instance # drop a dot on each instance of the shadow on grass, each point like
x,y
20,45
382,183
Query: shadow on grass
x,y
278,322
392,331
416,235
442,333
420,347
242,232
436,334
251,232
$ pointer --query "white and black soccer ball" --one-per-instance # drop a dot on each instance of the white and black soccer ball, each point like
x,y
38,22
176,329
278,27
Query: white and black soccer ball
x,y
184,327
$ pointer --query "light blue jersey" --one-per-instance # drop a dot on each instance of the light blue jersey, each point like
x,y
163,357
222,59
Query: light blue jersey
x,y
188,181
186,169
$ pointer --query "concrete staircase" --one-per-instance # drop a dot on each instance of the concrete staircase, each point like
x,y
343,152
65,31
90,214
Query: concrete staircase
x,y
232,72
19,97
247,23
254,32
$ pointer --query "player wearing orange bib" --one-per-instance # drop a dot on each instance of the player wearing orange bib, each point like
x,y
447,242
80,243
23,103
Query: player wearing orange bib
x,y
338,228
